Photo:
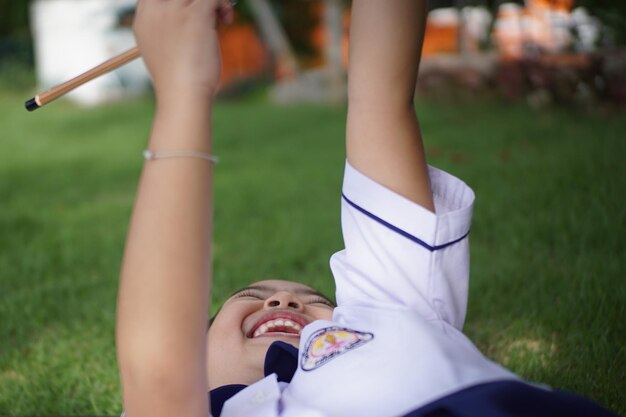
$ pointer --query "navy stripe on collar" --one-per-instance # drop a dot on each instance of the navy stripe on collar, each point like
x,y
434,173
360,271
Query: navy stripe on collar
x,y
400,231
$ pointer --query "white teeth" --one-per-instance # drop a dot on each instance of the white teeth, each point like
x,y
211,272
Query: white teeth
x,y
270,325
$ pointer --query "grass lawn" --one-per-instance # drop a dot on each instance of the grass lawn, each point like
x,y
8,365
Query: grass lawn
x,y
547,297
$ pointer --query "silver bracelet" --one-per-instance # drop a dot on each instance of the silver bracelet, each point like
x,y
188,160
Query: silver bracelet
x,y
149,155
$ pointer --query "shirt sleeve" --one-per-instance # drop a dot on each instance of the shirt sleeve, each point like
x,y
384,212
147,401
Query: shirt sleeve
x,y
399,254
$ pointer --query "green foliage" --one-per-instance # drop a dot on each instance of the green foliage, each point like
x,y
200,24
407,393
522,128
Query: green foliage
x,y
16,54
547,243
15,75
611,13
298,21
13,18
295,18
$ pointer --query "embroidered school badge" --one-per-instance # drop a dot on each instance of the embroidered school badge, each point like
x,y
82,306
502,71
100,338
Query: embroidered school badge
x,y
330,342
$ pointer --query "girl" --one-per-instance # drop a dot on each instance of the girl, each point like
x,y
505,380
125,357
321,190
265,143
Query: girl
x,y
394,345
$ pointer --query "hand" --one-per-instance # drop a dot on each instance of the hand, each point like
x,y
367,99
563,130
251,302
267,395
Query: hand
x,y
178,42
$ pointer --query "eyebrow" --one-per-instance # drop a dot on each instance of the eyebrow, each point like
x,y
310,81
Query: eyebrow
x,y
299,291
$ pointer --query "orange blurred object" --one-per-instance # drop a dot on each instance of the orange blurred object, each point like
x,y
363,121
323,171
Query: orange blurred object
x,y
440,39
443,26
244,55
558,5
318,35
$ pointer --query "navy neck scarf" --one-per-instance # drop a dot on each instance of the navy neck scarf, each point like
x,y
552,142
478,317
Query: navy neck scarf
x,y
281,359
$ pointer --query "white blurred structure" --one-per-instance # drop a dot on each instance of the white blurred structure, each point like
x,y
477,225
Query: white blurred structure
x,y
72,36
477,22
545,26
508,30
472,21
588,28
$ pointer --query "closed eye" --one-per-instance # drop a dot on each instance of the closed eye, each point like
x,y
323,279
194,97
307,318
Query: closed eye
x,y
261,295
321,300
250,293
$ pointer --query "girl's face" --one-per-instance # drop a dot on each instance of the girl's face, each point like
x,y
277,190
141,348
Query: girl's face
x,y
251,320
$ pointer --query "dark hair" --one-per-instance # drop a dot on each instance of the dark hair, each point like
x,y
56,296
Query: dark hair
x,y
212,319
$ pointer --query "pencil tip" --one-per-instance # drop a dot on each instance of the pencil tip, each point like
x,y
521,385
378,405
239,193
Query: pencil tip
x,y
31,104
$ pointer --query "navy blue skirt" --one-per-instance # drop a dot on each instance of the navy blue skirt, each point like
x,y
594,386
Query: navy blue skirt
x,y
511,399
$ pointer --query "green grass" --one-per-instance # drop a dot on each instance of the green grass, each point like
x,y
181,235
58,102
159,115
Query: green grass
x,y
548,252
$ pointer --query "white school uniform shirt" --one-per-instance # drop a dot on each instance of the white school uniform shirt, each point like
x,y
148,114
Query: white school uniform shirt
x,y
394,342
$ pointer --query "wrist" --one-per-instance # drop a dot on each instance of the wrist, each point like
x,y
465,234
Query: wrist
x,y
185,100
182,125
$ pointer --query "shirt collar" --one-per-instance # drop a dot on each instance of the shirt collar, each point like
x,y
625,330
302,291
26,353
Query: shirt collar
x,y
281,359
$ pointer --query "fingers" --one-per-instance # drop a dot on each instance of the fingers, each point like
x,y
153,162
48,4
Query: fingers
x,y
225,5
226,10
221,10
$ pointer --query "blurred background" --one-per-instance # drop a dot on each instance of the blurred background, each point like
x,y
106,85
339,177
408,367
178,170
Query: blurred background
x,y
542,51
523,100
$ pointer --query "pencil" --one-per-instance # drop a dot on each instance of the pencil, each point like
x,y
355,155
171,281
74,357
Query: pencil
x,y
60,90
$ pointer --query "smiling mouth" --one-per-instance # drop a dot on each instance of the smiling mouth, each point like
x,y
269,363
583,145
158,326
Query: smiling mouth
x,y
278,327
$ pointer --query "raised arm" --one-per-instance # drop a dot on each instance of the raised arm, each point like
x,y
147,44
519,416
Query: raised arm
x,y
165,279
382,137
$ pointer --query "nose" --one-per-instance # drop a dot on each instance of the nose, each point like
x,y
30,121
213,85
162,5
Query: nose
x,y
284,299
